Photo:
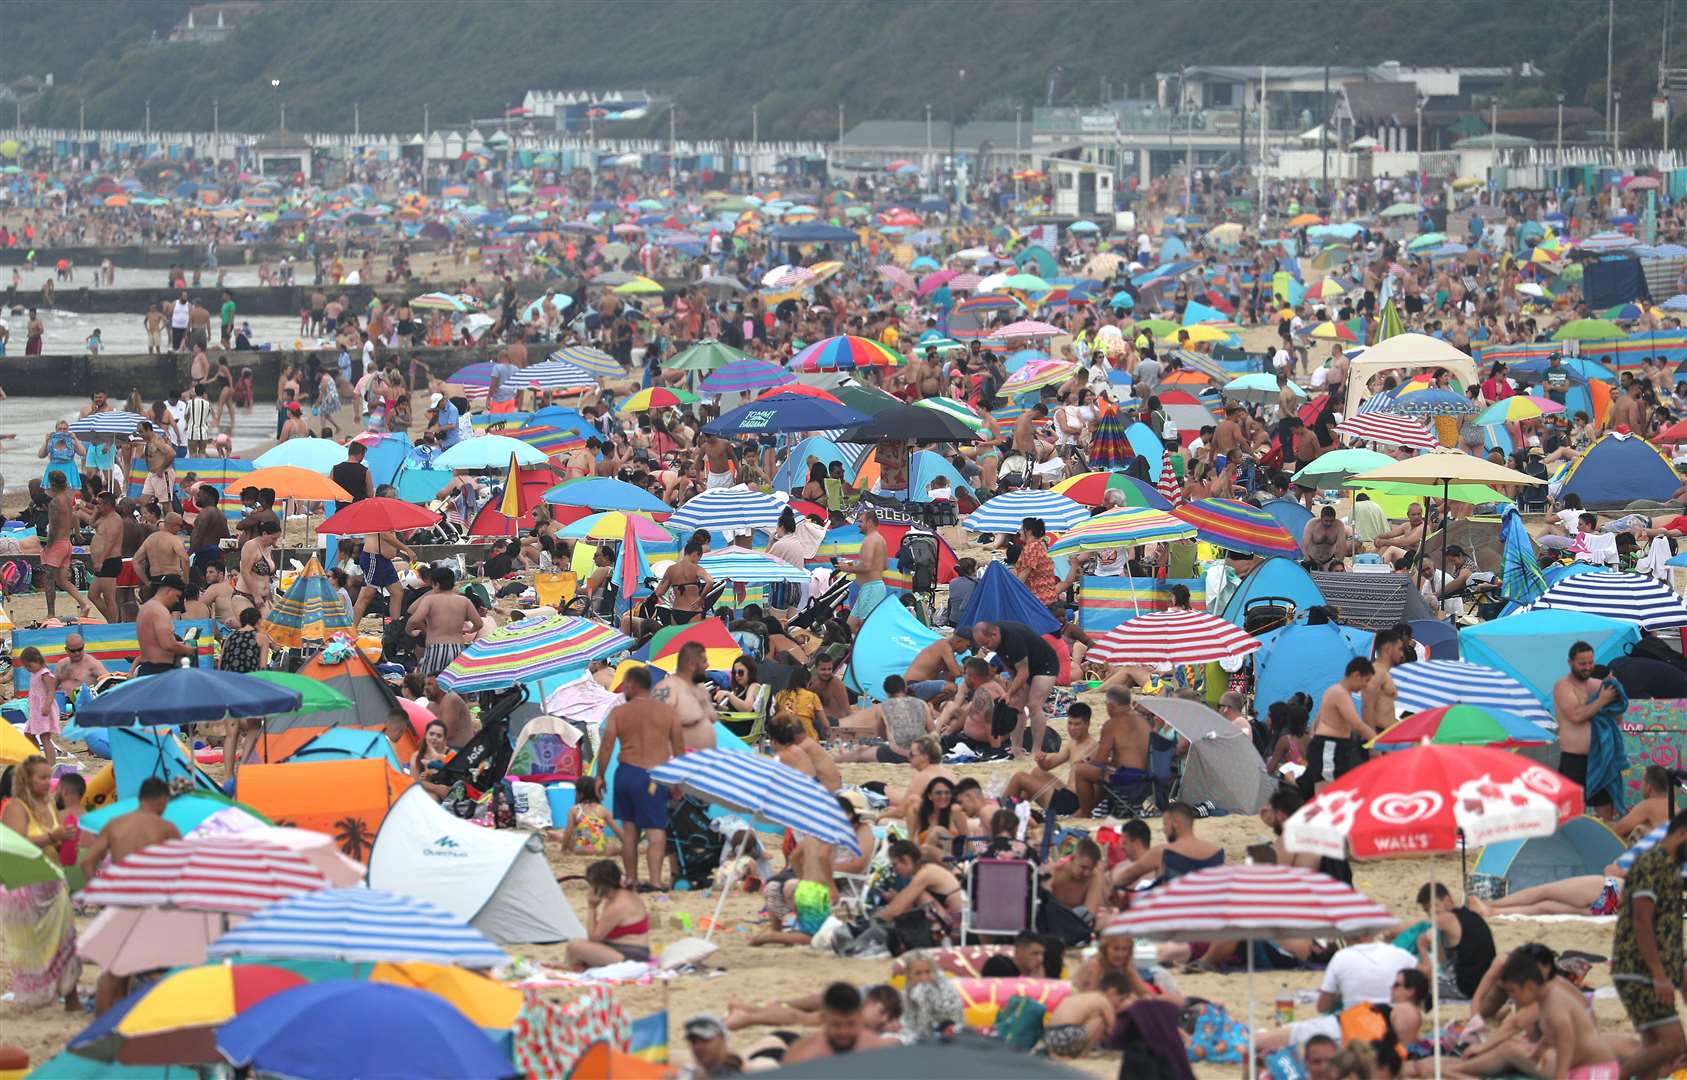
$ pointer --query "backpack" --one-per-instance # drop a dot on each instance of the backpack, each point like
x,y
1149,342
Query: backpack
x,y
692,837
917,555
15,576
1019,1022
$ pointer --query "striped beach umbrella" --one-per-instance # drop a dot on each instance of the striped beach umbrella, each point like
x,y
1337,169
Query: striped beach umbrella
x,y
550,441
960,410
552,375
107,423
1091,488
744,567
1005,513
1387,428
846,353
1416,400
1463,725
765,789
1125,527
1036,375
1250,900
657,397
206,873
728,508
358,926
593,360
530,649
475,379
1172,637
1431,684
1236,526
1635,598
1028,328
311,609
443,301
612,525
742,376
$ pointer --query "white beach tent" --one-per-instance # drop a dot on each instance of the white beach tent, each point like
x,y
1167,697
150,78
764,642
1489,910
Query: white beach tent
x,y
496,880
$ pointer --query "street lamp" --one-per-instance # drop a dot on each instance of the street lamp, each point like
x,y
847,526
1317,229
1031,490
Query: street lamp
x,y
1616,123
148,118
1422,101
954,121
1558,143
275,85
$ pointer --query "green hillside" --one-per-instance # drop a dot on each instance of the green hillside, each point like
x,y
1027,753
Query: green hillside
x,y
797,60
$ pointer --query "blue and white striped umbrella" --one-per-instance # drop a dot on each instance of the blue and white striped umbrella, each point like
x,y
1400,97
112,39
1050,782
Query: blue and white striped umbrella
x,y
1635,598
745,567
555,375
728,508
107,423
1005,513
593,360
762,788
1642,846
1430,684
359,926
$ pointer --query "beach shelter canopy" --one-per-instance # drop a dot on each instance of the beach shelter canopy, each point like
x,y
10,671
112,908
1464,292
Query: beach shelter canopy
x,y
1305,659
1000,595
1616,470
345,669
345,799
348,744
1271,582
1411,352
139,753
1532,646
889,640
1580,846
1222,766
496,881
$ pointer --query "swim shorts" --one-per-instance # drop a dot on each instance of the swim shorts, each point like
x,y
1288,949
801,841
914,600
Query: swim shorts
x,y
638,800
871,595
1066,1040
56,554
378,570
110,568
813,902
1642,1006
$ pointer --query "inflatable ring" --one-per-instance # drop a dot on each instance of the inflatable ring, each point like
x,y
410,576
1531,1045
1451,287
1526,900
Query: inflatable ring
x,y
102,789
985,997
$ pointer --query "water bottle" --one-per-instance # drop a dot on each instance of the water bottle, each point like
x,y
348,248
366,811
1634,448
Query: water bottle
x,y
1284,1010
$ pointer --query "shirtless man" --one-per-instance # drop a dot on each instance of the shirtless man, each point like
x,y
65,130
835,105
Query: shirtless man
x,y
106,552
122,836
648,732
448,620
841,1030
1033,666
1380,691
971,717
1079,1023
218,595
868,566
715,458
210,529
1024,439
78,668
1339,731
1402,539
681,691
55,551
1228,436
1182,852
932,673
1571,1044
1651,811
155,631
162,552
1576,699
452,710
834,697
1079,884
376,562
1324,541
1040,785
1121,753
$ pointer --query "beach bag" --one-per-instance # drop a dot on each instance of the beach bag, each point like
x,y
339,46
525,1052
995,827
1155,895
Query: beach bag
x,y
1214,1037
1019,1022
15,576
1061,922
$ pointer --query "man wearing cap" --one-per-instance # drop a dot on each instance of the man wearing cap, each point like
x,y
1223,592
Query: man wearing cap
x,y
155,630
711,1057
1324,541
445,420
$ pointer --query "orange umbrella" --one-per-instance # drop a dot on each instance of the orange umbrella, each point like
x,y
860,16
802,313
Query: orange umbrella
x,y
292,482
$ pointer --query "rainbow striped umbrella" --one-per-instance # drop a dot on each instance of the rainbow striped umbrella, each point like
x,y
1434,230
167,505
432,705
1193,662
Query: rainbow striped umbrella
x,y
1091,488
550,441
612,525
845,353
1036,375
531,649
1517,407
1463,725
657,397
311,610
742,376
1237,526
1125,527
593,360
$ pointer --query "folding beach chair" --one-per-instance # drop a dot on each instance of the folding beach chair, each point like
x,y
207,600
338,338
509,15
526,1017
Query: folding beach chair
x,y
1001,898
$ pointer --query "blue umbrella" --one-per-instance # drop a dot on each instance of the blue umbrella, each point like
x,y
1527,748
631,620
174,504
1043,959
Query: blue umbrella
x,y
488,452
317,455
1005,513
605,493
785,412
185,696
361,926
346,1028
727,508
763,788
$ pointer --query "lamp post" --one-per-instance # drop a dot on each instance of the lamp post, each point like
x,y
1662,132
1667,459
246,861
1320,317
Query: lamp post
x,y
148,122
755,138
954,121
275,88
1616,123
216,119
1558,141
356,121
673,159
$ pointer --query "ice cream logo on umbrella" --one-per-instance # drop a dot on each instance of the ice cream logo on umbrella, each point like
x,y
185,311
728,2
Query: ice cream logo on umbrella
x,y
1405,808
1341,807
1544,781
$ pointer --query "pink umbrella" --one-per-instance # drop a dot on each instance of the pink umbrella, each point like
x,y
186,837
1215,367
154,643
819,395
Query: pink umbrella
x,y
898,277
934,280
127,941
1026,328
964,282
206,873
1172,637
1388,428
418,714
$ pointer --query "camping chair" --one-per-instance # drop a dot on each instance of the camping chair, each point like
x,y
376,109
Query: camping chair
x,y
1001,897
1128,799
853,888
750,724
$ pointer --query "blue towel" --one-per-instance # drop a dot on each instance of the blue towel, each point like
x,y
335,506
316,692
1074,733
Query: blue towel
x,y
1605,758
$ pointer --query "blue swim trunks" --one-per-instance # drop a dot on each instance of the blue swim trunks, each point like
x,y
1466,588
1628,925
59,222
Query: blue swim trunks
x,y
871,595
636,802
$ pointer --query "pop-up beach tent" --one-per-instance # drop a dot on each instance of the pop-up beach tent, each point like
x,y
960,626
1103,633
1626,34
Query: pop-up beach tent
x,y
1616,470
495,880
1580,846
347,799
1534,646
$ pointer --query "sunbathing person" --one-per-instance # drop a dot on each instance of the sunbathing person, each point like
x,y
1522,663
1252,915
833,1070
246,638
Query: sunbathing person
x,y
897,722
1362,1022
881,1012
808,894
934,671
1653,808
617,924
1040,785
926,758
1182,853
1585,894
793,747
1083,1019
1114,956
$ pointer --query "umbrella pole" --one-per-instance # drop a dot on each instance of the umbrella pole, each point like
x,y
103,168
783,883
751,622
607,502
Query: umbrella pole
x,y
1434,974
720,903
1440,600
1248,943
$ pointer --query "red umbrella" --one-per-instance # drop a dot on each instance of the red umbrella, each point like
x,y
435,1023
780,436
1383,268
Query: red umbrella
x,y
1172,637
211,873
378,515
1388,428
803,389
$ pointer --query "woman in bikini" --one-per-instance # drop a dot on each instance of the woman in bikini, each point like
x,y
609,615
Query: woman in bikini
x,y
257,566
617,922
930,885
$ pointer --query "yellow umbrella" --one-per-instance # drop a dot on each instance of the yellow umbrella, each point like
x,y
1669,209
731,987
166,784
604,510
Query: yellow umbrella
x,y
820,271
486,1002
638,285
1444,468
1198,333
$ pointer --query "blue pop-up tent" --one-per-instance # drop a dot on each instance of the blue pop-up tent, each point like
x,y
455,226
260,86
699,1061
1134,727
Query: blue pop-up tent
x,y
1305,659
1000,596
1276,578
889,640
1534,646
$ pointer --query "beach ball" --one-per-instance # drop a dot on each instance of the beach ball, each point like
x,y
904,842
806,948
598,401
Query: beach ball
x,y
9,148
370,647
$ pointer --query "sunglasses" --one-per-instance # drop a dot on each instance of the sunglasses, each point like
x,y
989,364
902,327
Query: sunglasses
x,y
72,651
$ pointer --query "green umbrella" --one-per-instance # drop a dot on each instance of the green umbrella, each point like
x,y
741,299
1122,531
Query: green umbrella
x,y
1400,209
1427,240
864,398
1338,466
705,356
1589,330
314,695
1464,493
1158,328
22,863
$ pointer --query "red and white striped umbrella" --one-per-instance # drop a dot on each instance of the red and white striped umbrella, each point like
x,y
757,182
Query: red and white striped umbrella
x,y
206,873
897,276
1388,428
1172,637
1028,328
1248,900
1167,484
964,282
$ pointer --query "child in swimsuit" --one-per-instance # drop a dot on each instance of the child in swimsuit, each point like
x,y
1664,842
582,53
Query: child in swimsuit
x,y
588,829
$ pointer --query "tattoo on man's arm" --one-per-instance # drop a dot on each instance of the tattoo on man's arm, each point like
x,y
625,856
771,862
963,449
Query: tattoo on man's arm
x,y
661,693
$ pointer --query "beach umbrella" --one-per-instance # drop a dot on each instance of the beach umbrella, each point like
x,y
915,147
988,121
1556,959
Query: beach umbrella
x,y
231,874
1416,399
1517,407
107,423
1589,330
292,482
613,525
846,353
743,376
657,397
1339,465
1247,901
377,515
897,276
127,941
317,455
593,360
721,509
785,411
862,398
1463,725
1635,598
1172,637
1236,526
310,610
1432,684
605,493
314,694
1028,328
960,410
720,648
185,696
1258,388
23,863
552,375
488,452
1387,428
530,649
174,1021
1036,375
911,423
745,567
345,1028
188,811
1444,467
1122,528
1006,512
440,301
1091,488
705,356
360,926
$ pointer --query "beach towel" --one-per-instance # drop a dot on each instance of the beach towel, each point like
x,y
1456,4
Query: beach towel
x,y
1606,759
549,1036
1214,1037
